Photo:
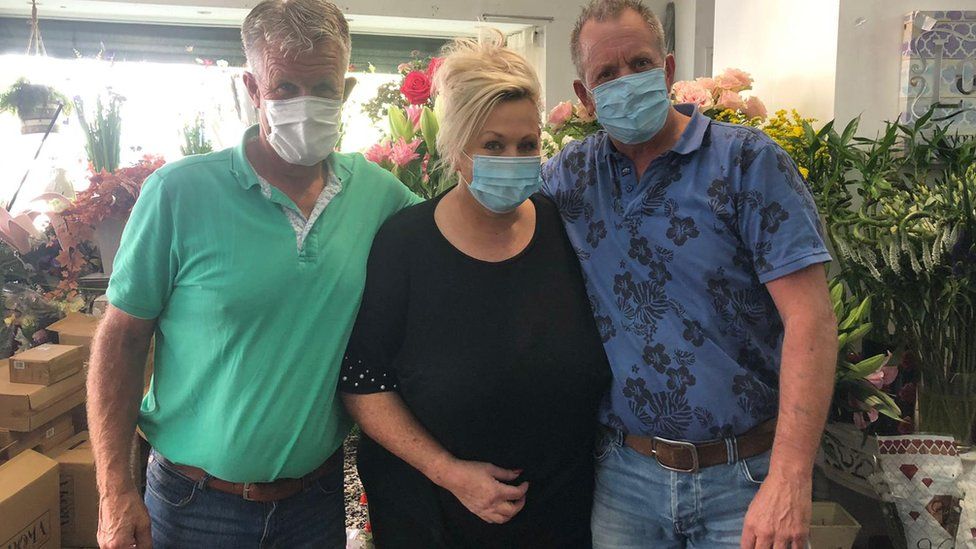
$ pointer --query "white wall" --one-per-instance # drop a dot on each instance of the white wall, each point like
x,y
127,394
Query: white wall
x,y
869,57
789,47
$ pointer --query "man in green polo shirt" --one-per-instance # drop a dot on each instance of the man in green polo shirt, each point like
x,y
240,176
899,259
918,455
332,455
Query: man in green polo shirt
x,y
248,266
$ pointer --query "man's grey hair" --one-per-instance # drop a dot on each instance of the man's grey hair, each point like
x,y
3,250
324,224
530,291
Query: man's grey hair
x,y
606,10
293,27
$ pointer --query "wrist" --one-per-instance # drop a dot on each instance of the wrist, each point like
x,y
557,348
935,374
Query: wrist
x,y
441,470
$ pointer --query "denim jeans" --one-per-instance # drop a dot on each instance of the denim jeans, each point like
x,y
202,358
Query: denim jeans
x,y
184,513
638,503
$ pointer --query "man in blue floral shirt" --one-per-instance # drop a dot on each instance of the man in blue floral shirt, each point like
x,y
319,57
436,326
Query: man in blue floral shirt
x,y
703,256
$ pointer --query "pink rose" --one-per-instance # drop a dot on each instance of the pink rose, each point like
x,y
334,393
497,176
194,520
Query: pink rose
x,y
692,92
416,88
754,108
731,100
734,80
404,153
707,83
379,153
413,113
560,114
435,63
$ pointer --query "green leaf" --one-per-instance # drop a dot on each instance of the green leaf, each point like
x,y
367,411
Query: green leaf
x,y
842,341
856,314
429,128
855,335
868,366
837,297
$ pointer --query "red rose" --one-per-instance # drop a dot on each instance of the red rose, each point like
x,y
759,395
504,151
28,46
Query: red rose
x,y
435,64
416,88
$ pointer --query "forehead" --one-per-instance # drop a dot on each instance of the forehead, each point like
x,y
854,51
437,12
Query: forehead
x,y
623,36
326,59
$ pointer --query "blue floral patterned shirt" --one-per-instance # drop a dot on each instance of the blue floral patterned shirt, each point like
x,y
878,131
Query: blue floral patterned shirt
x,y
676,264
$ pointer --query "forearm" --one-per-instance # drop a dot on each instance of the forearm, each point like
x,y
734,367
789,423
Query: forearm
x,y
806,386
115,383
386,419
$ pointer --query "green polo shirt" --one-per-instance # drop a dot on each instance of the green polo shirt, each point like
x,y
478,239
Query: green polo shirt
x,y
251,330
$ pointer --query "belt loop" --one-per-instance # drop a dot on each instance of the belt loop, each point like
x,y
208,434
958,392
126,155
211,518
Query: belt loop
x,y
202,483
732,448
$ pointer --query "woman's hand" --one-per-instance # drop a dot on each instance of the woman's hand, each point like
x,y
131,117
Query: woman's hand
x,y
477,487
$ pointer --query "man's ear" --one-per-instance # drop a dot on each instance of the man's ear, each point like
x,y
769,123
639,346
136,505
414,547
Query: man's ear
x,y
669,68
584,96
350,84
251,83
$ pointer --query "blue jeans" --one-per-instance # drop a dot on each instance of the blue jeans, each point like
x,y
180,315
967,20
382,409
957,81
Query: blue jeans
x,y
184,513
639,504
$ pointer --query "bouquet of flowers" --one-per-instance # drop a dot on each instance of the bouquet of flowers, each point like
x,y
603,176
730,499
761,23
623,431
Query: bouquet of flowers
x,y
721,94
566,123
410,151
415,88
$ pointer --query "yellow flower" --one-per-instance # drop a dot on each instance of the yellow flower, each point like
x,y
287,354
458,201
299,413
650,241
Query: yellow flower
x,y
804,172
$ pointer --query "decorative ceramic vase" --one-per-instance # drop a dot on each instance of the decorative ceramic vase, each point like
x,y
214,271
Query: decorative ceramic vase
x,y
108,235
920,474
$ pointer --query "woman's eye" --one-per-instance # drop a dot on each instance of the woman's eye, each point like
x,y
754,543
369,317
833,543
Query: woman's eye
x,y
493,146
529,147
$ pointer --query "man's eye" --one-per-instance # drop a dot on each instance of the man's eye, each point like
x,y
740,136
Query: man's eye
x,y
643,63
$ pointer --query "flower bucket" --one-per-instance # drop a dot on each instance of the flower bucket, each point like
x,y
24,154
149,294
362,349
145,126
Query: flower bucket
x,y
108,235
38,119
949,410
832,527
920,475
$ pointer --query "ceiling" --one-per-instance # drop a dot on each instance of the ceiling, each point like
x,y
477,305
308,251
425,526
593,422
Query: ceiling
x,y
211,16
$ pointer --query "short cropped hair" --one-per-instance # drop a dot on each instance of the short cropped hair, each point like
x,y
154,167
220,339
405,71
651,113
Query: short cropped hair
x,y
606,10
473,79
293,27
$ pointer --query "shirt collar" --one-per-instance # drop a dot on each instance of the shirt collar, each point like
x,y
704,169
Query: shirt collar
x,y
691,138
240,166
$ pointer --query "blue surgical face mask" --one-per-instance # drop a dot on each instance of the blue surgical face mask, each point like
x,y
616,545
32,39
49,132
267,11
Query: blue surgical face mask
x,y
502,183
633,108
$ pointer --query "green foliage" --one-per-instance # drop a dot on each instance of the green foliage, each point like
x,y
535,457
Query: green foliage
x,y
386,95
103,134
900,215
24,98
195,139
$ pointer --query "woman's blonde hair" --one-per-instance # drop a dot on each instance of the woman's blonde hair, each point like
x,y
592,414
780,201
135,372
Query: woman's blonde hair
x,y
474,78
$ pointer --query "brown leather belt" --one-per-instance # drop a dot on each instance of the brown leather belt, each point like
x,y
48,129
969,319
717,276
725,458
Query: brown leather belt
x,y
263,492
687,457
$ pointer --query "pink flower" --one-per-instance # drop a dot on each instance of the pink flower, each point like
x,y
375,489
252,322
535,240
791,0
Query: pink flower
x,y
404,153
754,108
883,376
731,100
413,113
379,153
734,80
692,92
404,68
707,83
560,114
435,63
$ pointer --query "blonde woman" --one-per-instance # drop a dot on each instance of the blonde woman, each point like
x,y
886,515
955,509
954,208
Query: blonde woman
x,y
475,367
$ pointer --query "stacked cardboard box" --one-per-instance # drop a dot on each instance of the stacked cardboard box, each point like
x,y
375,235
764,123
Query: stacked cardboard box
x,y
79,494
75,329
29,502
47,364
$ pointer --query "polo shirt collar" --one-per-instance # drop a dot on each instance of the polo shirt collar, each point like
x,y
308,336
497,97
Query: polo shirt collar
x,y
339,165
691,138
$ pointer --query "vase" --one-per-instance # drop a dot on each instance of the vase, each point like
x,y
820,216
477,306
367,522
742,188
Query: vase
x,y
920,476
108,235
949,409
847,457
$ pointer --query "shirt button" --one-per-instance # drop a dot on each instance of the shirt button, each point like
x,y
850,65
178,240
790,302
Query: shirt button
x,y
625,171
630,188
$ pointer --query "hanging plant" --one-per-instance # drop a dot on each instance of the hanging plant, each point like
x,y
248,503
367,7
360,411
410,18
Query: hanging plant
x,y
34,104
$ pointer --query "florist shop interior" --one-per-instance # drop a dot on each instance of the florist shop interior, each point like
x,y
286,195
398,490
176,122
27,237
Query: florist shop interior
x,y
874,101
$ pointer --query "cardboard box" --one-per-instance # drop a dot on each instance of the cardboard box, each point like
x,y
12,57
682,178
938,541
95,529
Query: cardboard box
x,y
76,329
79,494
25,407
30,502
831,527
43,439
46,364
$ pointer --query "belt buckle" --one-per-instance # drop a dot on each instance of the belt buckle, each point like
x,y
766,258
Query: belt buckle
x,y
246,492
681,444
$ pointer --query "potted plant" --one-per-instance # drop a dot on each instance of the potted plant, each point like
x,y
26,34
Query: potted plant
x,y
195,139
34,104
